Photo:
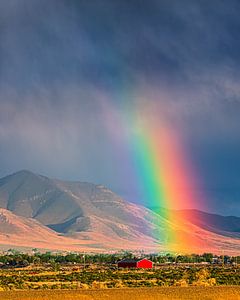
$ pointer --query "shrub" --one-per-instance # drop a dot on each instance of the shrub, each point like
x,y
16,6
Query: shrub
x,y
181,282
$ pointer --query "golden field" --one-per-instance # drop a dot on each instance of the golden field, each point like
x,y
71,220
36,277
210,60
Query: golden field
x,y
162,293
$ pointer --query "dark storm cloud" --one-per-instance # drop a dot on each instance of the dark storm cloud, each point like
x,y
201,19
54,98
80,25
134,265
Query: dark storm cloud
x,y
57,57
94,40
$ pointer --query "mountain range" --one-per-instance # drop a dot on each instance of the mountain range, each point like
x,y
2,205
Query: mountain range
x,y
44,213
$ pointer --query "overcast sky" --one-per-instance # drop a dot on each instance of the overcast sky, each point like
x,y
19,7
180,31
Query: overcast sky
x,y
67,67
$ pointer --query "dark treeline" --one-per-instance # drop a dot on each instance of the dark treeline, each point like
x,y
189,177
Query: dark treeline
x,y
14,258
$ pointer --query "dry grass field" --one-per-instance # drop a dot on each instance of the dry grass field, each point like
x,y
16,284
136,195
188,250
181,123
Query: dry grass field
x,y
162,293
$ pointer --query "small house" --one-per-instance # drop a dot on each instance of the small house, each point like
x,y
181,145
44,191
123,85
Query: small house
x,y
135,263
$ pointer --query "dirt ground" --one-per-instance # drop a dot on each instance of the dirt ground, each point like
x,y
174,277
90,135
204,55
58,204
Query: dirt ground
x,y
168,293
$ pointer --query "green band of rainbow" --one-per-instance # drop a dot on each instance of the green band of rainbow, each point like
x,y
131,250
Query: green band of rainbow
x,y
161,166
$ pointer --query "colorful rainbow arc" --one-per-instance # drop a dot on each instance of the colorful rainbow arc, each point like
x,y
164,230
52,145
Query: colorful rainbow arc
x,y
166,177
161,167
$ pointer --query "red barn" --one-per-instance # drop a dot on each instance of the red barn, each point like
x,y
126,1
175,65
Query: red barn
x,y
135,263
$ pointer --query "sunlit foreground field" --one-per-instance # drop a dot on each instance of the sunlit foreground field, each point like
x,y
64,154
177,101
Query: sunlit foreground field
x,y
168,293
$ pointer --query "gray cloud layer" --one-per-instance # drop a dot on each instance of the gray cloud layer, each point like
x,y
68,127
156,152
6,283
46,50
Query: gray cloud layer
x,y
58,57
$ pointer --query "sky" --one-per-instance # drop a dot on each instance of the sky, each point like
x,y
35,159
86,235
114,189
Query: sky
x,y
73,73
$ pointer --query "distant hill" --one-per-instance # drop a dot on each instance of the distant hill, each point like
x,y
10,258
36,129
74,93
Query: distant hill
x,y
229,225
92,216
81,210
16,231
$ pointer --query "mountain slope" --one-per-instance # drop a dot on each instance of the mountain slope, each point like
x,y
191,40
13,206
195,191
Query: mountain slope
x,y
17,231
228,226
92,216
82,210
34,196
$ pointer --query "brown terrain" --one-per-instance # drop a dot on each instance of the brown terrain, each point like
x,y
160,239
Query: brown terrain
x,y
38,212
168,293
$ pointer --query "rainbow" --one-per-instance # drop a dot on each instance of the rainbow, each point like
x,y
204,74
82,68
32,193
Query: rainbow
x,y
166,176
161,166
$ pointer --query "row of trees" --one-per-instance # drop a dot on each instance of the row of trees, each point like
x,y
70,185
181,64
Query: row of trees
x,y
14,258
